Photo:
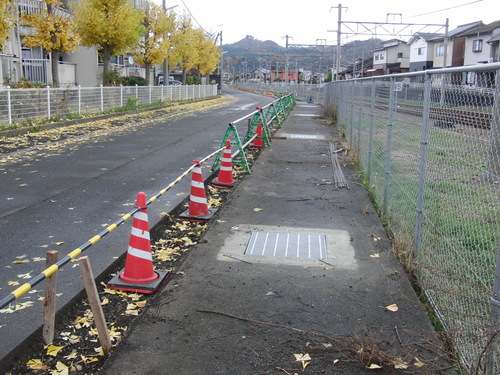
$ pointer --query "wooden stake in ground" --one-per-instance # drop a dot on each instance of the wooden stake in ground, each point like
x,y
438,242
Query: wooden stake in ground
x,y
49,305
95,304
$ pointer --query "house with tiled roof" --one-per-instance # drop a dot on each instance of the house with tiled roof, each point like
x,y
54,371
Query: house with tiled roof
x,y
449,49
393,57
480,44
422,51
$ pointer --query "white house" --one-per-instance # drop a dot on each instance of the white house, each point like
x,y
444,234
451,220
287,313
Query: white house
x,y
393,57
494,43
477,48
422,51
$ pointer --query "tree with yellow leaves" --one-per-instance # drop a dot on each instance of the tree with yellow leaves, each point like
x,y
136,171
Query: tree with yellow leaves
x,y
208,53
54,32
154,46
113,26
184,51
6,18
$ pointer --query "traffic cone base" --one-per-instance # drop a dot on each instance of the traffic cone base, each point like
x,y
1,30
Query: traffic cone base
x,y
216,183
187,216
257,142
146,288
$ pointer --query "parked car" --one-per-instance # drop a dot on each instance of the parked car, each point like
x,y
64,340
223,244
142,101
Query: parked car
x,y
174,82
160,79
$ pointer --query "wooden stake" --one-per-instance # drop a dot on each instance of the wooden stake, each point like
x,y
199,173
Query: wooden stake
x,y
95,304
49,305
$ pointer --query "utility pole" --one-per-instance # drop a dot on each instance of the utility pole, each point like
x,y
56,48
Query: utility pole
x,y
286,59
445,44
221,62
339,34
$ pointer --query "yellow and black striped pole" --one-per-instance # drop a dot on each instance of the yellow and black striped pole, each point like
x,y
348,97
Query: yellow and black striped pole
x,y
76,252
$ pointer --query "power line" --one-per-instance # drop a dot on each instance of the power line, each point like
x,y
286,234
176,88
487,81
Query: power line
x,y
442,10
194,18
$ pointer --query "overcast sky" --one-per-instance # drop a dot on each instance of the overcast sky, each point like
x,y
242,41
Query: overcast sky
x,y
310,22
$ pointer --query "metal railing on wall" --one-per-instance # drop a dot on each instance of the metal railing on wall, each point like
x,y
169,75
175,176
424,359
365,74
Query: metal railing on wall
x,y
22,105
430,154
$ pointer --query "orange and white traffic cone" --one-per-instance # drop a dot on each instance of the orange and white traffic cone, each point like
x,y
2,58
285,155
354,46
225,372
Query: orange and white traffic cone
x,y
225,179
198,205
257,142
139,275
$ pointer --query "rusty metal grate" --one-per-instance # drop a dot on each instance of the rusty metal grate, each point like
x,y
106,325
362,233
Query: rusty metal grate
x,y
291,245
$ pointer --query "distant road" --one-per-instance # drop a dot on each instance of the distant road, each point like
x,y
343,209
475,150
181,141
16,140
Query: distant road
x,y
58,197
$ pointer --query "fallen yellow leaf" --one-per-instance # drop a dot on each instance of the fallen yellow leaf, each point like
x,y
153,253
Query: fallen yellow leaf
x,y
374,366
140,303
72,355
398,364
375,255
392,307
23,305
257,209
304,359
53,350
61,369
418,363
36,364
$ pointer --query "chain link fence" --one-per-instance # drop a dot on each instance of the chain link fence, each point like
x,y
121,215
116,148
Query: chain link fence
x,y
309,92
429,148
23,105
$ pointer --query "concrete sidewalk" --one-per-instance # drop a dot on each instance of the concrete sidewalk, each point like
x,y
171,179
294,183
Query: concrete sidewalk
x,y
229,312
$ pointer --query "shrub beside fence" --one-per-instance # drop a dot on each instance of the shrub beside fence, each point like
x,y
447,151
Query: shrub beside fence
x,y
430,156
21,105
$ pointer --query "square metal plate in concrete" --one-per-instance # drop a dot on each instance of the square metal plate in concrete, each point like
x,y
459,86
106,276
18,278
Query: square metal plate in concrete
x,y
335,244
292,245
302,136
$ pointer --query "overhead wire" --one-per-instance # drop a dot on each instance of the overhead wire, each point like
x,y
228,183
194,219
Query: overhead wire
x,y
442,10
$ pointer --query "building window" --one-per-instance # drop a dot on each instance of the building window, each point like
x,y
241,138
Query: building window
x,y
420,51
477,45
400,55
441,50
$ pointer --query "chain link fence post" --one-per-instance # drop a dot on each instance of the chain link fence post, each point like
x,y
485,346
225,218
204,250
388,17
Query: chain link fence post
x,y
392,108
360,114
351,121
424,141
493,169
492,349
372,124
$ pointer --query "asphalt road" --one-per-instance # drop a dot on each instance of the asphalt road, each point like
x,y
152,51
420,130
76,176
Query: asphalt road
x,y
58,198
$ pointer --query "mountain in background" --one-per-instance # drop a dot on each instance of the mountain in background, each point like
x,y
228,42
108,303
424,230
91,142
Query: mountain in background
x,y
250,53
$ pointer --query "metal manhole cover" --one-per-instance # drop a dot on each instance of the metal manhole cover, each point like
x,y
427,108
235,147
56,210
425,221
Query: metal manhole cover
x,y
291,245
